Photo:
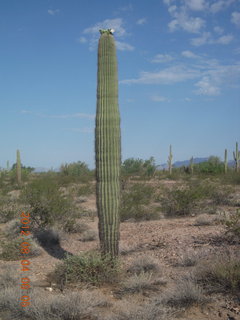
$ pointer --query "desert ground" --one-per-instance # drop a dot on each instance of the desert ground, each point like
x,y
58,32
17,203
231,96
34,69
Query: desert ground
x,y
172,264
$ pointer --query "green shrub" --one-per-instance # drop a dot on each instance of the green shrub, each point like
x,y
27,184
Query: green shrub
x,y
232,177
179,202
136,201
85,190
75,172
212,166
11,249
47,204
138,167
88,268
182,201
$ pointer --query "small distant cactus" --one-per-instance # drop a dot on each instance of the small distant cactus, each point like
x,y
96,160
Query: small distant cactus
x,y
170,157
225,161
18,169
8,165
191,165
236,157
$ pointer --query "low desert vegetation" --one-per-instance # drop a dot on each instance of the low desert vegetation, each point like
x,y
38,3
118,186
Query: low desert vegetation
x,y
144,264
220,273
87,268
46,203
137,283
14,249
136,203
185,294
58,203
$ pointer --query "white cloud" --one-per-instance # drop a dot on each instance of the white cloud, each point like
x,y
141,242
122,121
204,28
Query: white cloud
x,y
220,5
171,75
82,40
196,5
168,2
116,24
141,21
157,98
189,54
236,18
123,46
203,39
224,39
209,76
182,20
206,38
205,87
53,12
218,30
162,58
216,77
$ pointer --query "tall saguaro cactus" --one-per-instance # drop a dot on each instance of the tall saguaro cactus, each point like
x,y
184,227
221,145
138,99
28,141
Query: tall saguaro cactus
x,y
18,169
108,146
170,157
236,157
225,161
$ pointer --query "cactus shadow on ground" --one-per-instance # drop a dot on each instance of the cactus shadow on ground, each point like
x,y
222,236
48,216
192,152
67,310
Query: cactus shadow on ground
x,y
49,240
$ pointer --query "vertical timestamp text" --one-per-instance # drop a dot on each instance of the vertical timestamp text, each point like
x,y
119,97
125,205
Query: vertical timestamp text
x,y
25,248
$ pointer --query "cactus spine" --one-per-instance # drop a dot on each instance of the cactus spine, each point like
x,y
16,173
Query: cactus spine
x,y
225,161
170,157
18,169
236,157
108,146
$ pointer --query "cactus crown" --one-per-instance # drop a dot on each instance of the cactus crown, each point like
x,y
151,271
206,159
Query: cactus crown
x,y
108,31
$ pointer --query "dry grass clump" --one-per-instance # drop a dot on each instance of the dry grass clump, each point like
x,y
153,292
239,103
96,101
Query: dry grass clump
x,y
89,235
129,311
203,220
143,264
184,295
138,283
9,277
73,306
189,258
73,226
12,228
220,273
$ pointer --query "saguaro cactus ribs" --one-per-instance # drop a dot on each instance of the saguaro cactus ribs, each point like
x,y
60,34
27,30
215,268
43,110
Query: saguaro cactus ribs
x,y
108,145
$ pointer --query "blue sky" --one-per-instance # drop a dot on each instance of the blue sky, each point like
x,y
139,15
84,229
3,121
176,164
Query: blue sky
x,y
179,78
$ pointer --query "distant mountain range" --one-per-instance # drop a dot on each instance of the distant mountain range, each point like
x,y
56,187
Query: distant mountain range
x,y
176,164
185,163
